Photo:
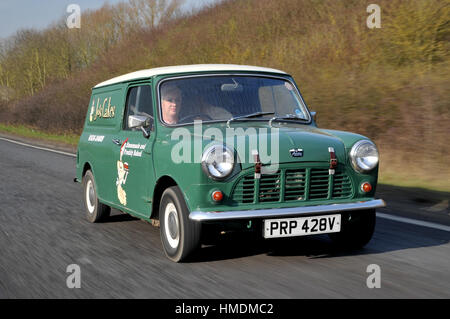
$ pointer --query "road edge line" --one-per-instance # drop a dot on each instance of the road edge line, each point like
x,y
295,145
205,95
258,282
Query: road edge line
x,y
414,222
38,147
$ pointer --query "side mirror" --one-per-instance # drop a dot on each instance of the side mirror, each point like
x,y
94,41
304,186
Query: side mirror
x,y
314,115
140,121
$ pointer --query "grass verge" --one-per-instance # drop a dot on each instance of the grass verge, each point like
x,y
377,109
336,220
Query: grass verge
x,y
397,179
29,132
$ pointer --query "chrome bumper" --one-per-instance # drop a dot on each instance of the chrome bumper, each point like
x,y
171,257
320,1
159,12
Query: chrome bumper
x,y
286,212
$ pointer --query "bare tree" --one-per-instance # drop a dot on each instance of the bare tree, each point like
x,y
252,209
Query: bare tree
x,y
149,13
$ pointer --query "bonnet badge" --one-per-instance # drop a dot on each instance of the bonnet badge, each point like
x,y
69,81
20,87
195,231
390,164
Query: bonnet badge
x,y
296,152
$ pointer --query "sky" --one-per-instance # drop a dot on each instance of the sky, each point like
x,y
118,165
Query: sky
x,y
38,14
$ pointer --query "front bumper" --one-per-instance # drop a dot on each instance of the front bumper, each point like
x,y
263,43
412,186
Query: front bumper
x,y
286,212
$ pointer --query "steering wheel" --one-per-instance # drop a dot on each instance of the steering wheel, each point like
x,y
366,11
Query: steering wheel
x,y
192,117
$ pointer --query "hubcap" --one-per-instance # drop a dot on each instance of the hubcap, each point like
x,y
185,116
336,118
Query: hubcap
x,y
90,196
171,225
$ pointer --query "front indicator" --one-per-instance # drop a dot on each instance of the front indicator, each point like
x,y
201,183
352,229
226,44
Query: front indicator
x,y
217,196
366,187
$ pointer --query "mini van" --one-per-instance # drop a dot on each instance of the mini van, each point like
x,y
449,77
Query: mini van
x,y
204,149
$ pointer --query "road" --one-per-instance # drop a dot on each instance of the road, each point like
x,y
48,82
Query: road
x,y
43,230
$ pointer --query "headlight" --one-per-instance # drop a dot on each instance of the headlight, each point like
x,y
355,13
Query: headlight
x,y
218,162
364,156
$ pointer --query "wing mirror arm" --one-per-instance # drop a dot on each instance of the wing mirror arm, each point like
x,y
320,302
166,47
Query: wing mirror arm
x,y
148,123
141,122
145,132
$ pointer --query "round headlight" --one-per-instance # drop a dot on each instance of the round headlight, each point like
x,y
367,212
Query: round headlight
x,y
364,156
218,162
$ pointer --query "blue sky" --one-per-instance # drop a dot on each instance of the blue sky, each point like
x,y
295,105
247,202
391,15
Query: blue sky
x,y
18,14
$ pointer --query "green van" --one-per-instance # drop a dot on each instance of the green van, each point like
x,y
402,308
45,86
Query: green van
x,y
199,150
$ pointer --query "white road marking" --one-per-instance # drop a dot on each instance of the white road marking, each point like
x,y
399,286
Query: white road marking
x,y
38,147
414,222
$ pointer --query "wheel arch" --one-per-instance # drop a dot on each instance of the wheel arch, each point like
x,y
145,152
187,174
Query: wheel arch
x,y
87,166
162,184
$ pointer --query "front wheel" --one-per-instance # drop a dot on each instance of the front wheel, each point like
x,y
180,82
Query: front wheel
x,y
357,229
179,235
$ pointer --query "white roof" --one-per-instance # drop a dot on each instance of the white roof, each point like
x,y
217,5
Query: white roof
x,y
142,74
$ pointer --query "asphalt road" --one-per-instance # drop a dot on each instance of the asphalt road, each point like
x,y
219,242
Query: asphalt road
x,y
43,230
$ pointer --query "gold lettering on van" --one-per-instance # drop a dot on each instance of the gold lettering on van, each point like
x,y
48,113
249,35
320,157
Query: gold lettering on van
x,y
102,110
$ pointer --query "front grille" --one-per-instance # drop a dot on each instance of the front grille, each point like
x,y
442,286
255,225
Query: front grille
x,y
244,191
287,185
318,186
342,186
269,187
295,183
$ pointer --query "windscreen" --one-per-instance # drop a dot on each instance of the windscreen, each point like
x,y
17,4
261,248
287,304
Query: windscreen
x,y
219,98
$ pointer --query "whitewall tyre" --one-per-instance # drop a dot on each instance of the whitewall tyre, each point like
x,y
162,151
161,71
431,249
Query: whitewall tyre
x,y
179,235
95,211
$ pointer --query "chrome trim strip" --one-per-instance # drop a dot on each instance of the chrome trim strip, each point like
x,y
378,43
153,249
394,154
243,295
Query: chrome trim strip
x,y
285,212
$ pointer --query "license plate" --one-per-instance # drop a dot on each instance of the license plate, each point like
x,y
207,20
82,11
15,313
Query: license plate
x,y
301,226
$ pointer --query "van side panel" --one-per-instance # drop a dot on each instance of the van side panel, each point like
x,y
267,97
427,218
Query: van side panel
x,y
96,147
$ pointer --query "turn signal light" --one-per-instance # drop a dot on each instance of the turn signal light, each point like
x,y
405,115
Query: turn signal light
x,y
366,187
217,196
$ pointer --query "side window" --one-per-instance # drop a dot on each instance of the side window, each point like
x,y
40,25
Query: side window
x,y
139,102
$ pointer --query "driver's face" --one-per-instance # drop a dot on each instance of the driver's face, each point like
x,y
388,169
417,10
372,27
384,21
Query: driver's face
x,y
170,107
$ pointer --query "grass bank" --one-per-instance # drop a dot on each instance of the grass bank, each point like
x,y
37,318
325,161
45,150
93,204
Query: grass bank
x,y
36,134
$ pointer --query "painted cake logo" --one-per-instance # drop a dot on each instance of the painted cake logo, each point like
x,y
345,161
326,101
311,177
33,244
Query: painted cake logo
x,y
102,110
122,173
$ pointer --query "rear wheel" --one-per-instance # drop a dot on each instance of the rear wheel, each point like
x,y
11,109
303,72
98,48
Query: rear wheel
x,y
357,229
179,235
95,211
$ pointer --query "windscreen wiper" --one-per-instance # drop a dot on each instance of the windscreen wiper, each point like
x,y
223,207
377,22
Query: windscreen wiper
x,y
287,117
256,114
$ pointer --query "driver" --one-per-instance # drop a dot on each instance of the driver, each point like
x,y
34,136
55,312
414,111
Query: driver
x,y
170,103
